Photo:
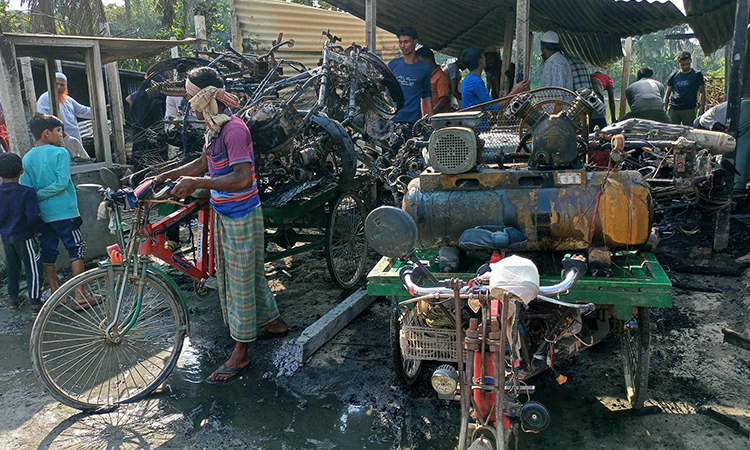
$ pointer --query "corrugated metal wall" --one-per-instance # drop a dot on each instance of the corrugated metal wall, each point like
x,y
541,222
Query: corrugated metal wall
x,y
262,20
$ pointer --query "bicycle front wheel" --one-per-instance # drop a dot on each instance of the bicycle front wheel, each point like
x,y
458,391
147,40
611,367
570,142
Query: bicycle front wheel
x,y
87,367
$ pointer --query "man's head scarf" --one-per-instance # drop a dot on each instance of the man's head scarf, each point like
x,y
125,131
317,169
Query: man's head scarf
x,y
205,101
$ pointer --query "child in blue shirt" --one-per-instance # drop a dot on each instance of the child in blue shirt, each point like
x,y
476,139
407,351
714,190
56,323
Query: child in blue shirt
x,y
46,169
19,218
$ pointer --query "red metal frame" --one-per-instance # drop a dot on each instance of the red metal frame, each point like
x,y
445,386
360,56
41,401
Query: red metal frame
x,y
204,267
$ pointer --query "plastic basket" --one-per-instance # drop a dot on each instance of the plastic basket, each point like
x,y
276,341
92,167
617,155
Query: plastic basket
x,y
429,344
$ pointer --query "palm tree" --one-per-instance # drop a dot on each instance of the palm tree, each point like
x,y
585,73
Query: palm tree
x,y
80,17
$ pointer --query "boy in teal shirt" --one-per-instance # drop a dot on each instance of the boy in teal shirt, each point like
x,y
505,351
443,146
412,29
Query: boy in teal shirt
x,y
46,169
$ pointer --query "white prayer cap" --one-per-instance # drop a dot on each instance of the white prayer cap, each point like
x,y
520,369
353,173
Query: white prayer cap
x,y
61,76
551,37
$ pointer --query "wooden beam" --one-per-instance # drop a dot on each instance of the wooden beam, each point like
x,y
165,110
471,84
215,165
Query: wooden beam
x,y
317,334
625,74
28,83
200,32
523,56
50,70
112,73
371,24
510,24
10,92
98,104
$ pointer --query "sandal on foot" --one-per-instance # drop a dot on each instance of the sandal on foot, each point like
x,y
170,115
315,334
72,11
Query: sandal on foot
x,y
35,310
224,370
265,334
87,304
12,308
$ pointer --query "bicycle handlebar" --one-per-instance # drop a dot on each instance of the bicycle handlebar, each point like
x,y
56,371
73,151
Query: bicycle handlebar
x,y
572,275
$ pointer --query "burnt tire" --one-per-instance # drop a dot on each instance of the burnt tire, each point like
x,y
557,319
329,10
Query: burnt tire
x,y
389,79
407,370
346,246
636,351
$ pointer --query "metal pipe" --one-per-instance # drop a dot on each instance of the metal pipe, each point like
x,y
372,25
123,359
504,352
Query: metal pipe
x,y
564,285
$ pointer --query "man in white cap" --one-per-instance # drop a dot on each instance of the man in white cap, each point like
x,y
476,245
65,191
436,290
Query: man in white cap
x,y
556,71
70,110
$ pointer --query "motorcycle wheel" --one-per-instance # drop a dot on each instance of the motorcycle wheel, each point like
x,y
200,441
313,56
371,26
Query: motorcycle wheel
x,y
636,351
407,370
336,161
384,102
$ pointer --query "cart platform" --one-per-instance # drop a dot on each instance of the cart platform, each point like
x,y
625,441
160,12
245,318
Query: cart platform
x,y
637,280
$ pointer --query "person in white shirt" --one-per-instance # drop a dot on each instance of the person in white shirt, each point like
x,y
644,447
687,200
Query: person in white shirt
x,y
556,71
70,109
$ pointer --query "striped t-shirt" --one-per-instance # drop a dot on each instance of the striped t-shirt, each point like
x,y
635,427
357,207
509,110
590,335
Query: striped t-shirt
x,y
232,146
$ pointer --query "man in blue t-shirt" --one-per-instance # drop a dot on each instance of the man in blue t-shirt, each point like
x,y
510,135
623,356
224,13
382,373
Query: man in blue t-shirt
x,y
414,76
683,87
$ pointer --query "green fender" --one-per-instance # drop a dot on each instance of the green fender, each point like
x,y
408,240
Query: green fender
x,y
176,289
171,284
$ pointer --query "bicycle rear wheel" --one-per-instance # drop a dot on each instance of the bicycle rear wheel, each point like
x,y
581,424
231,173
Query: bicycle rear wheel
x,y
83,366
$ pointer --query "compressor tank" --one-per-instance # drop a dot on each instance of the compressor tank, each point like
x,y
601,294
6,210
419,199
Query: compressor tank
x,y
556,210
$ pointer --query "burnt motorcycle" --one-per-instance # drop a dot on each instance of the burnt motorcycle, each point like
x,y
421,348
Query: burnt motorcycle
x,y
305,126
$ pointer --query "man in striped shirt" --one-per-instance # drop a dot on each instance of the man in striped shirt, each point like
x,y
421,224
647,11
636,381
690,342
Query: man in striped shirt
x,y
248,306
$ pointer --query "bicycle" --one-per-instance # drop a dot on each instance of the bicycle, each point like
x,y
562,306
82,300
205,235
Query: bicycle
x,y
127,342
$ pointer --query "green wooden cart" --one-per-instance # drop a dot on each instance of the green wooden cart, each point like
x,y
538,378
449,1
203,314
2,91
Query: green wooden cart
x,y
332,218
638,283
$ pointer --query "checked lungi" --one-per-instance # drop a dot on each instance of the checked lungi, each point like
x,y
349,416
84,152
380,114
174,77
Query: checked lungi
x,y
246,300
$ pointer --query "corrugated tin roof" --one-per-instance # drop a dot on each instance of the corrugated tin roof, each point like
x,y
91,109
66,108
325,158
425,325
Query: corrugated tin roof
x,y
262,20
590,29
712,21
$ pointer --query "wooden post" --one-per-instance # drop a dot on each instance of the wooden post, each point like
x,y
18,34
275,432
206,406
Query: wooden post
x,y
115,100
98,104
371,24
28,83
200,32
625,74
734,99
510,23
529,52
174,51
236,30
522,39
10,92
51,68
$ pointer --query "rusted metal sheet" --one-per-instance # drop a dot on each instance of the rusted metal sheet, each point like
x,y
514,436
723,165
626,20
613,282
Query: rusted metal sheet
x,y
71,48
712,21
590,29
262,20
566,210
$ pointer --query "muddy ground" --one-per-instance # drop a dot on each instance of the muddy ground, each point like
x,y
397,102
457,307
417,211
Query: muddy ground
x,y
347,396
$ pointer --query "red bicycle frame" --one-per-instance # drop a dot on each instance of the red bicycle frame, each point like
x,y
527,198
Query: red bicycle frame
x,y
154,243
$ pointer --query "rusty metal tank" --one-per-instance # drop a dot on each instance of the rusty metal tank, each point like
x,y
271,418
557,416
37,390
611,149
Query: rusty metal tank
x,y
556,210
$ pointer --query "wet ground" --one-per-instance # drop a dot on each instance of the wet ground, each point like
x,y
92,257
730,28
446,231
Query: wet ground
x,y
347,396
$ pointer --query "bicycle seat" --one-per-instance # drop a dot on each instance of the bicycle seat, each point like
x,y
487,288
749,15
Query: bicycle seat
x,y
90,187
492,238
516,275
